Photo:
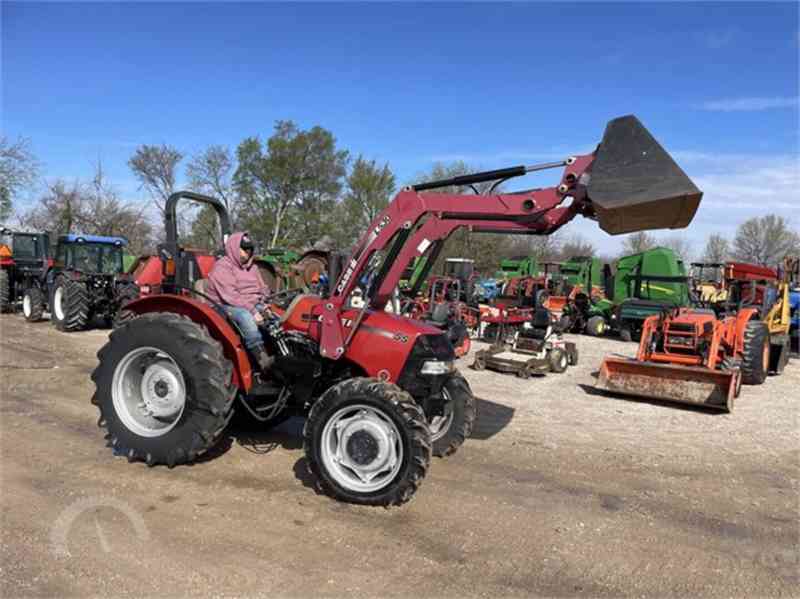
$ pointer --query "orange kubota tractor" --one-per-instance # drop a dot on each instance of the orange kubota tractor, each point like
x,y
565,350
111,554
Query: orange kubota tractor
x,y
702,356
689,356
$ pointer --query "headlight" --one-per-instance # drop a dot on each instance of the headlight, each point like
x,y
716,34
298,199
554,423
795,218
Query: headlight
x,y
437,367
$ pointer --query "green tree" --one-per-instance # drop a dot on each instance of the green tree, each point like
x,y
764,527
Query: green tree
x,y
369,189
765,240
18,170
290,185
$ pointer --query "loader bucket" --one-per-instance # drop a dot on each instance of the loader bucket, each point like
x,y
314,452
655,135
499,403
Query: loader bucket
x,y
635,184
683,384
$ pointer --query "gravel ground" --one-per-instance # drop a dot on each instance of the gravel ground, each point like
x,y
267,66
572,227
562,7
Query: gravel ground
x,y
560,492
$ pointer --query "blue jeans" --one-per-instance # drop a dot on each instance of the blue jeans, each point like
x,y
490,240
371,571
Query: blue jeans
x,y
251,335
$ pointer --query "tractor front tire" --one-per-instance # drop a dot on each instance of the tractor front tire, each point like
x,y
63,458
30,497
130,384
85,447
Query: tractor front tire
x,y
163,388
69,309
367,442
450,430
33,304
755,359
5,291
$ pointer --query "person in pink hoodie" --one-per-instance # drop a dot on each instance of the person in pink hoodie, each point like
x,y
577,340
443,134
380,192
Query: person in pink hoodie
x,y
236,285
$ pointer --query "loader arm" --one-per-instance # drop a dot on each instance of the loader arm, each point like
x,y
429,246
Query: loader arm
x,y
639,187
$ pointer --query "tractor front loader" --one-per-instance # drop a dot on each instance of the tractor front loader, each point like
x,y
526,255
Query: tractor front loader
x,y
380,391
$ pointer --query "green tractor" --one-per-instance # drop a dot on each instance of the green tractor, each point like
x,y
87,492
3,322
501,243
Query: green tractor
x,y
581,270
642,284
275,266
520,266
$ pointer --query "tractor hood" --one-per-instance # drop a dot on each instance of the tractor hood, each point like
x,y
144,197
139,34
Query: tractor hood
x,y
636,185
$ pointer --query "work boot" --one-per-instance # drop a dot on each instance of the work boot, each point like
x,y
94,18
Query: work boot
x,y
265,361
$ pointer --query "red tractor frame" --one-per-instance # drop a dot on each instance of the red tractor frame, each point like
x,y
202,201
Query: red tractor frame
x,y
380,391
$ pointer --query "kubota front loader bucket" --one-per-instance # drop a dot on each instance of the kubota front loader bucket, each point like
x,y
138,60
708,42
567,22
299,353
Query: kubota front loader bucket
x,y
636,185
670,382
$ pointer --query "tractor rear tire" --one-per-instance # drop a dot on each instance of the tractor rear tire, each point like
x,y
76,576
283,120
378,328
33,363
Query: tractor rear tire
x,y
33,304
779,355
755,358
5,291
163,388
596,326
69,309
458,420
126,292
367,442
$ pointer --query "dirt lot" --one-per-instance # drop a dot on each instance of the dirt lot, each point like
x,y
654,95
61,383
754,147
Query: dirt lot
x,y
559,492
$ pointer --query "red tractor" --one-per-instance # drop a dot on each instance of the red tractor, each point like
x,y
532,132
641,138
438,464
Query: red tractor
x,y
380,391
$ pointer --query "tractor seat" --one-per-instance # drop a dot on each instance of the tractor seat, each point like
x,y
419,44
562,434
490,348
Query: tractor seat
x,y
440,313
540,325
200,286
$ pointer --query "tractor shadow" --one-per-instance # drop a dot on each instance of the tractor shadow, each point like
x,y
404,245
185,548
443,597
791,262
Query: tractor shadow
x,y
252,436
615,397
490,419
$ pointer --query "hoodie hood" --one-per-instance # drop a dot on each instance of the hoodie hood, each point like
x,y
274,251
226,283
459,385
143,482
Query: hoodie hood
x,y
232,247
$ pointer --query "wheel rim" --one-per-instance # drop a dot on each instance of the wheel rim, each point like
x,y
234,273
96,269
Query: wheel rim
x,y
26,305
440,424
563,362
57,303
148,392
362,448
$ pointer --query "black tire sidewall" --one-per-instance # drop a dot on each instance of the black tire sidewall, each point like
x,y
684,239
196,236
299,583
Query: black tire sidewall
x,y
463,406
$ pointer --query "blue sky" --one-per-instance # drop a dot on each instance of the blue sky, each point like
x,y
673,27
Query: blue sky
x,y
410,84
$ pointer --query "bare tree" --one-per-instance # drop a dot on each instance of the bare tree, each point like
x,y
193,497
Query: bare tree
x,y
638,242
210,172
18,170
765,240
155,167
57,210
103,213
91,208
717,249
678,244
575,246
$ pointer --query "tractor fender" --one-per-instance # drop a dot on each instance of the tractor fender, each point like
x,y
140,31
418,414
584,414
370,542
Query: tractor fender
x,y
218,327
